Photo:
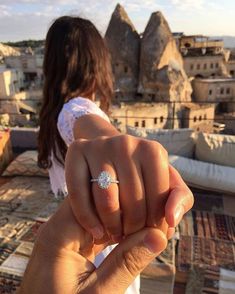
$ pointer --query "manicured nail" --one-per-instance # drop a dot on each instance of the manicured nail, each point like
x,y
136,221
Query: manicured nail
x,y
97,232
170,233
179,212
151,244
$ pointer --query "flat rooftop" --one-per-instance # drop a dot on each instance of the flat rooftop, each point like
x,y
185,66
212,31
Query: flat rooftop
x,y
216,80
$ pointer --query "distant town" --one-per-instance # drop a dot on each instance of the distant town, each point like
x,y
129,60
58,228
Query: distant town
x,y
163,80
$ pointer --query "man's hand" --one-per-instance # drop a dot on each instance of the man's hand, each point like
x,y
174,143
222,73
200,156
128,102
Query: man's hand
x,y
62,259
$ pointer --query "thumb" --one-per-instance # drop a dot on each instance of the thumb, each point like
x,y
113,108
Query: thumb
x,y
127,260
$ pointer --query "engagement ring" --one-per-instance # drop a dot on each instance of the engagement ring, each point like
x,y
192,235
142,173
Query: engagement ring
x,y
104,180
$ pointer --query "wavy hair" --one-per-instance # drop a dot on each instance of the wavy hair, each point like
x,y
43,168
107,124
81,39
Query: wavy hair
x,y
76,63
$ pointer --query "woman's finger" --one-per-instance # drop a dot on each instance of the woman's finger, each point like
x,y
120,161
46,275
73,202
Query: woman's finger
x,y
79,189
155,169
180,199
107,200
131,195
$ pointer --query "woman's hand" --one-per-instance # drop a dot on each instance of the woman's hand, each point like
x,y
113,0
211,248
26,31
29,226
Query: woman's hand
x,y
150,192
61,259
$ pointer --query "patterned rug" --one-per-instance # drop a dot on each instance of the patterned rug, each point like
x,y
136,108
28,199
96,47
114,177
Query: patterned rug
x,y
211,281
207,235
160,274
25,204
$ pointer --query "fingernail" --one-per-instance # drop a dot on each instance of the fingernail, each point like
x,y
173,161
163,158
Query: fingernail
x,y
97,232
170,233
151,244
179,211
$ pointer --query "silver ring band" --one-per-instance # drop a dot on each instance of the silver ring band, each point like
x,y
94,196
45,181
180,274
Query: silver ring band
x,y
104,180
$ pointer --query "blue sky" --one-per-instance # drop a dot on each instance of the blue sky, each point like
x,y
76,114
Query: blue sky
x,y
24,19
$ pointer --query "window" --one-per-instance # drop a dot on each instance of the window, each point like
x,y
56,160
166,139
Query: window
x,y
198,129
210,92
143,124
192,67
205,116
195,119
198,66
152,97
161,119
205,66
155,120
200,118
212,65
228,91
222,91
136,124
125,69
217,65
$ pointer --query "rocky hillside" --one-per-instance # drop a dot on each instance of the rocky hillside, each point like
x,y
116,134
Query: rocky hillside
x,y
6,50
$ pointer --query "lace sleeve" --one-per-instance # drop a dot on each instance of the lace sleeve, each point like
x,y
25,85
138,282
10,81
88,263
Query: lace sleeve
x,y
71,111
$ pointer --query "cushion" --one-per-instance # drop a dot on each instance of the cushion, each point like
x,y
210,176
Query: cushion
x,y
137,132
25,165
219,149
205,175
178,142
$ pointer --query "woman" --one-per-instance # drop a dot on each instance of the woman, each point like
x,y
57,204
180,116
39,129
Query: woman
x,y
117,184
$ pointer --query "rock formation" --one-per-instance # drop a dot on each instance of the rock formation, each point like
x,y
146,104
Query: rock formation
x,y
162,77
6,50
124,44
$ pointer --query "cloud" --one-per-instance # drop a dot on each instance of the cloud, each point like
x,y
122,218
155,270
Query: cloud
x,y
20,19
188,4
5,10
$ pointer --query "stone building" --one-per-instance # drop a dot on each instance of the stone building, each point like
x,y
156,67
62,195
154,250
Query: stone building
x,y
17,107
29,64
143,115
124,44
221,91
202,56
11,82
162,77
231,64
199,117
229,119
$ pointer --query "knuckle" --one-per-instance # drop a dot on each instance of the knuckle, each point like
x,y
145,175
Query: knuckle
x,y
124,144
154,148
130,263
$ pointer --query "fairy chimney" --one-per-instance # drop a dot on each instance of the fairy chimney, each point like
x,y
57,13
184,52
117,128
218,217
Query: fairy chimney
x,y
124,44
162,77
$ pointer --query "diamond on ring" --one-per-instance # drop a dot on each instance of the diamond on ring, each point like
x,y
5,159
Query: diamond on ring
x,y
104,180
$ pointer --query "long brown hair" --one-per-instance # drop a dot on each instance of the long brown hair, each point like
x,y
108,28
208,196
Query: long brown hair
x,y
76,63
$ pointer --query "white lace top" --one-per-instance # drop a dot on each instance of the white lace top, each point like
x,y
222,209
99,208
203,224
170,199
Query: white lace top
x,y
71,111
